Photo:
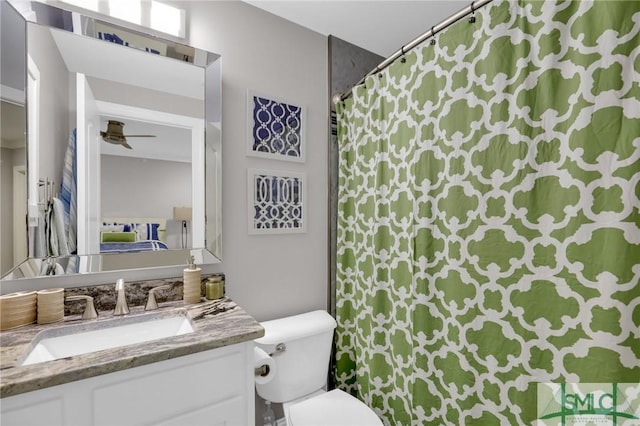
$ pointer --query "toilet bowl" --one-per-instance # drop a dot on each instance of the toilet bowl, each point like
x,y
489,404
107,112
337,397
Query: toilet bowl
x,y
330,408
300,347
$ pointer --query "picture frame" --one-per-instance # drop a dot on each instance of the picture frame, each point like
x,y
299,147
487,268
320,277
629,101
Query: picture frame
x,y
277,202
275,128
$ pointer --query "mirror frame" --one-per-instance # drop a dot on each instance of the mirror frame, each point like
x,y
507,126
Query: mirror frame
x,y
83,24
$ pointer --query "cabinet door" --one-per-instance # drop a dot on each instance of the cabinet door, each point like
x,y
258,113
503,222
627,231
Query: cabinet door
x,y
207,388
229,412
31,411
67,404
170,389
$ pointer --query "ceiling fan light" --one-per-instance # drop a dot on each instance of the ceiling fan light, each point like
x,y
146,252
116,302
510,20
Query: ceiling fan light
x,y
114,128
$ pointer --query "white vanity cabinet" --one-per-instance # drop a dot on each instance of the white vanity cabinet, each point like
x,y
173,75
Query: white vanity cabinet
x,y
214,387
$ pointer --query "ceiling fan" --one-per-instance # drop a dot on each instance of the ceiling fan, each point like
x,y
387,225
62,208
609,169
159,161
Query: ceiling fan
x,y
115,135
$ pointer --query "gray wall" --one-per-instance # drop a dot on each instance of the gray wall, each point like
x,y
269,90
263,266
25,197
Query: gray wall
x,y
12,70
139,187
268,275
9,158
348,64
6,211
54,109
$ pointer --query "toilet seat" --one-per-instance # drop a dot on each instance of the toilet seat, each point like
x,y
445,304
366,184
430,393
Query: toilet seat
x,y
331,408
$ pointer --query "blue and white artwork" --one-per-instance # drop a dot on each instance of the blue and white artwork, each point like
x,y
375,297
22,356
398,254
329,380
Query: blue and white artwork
x,y
276,202
276,128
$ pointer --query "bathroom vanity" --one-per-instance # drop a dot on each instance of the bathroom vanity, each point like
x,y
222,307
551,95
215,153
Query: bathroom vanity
x,y
197,378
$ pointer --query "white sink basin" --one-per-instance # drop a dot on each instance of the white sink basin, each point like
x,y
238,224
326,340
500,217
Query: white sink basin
x,y
80,339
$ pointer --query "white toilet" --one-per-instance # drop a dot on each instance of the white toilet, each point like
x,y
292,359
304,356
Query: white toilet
x,y
300,345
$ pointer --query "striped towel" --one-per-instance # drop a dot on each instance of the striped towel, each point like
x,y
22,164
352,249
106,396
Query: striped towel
x,y
68,193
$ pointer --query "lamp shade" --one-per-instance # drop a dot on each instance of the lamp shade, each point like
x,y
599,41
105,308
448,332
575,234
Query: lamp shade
x,y
182,213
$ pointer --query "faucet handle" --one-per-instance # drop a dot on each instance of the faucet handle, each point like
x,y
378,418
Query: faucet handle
x,y
120,284
89,310
121,299
151,300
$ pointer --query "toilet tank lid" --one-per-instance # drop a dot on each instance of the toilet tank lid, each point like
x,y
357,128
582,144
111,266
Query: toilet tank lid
x,y
296,327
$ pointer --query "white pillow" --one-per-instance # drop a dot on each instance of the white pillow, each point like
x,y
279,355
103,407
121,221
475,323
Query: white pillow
x,y
111,227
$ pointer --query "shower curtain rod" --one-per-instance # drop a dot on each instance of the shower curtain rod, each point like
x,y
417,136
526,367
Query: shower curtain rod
x,y
475,5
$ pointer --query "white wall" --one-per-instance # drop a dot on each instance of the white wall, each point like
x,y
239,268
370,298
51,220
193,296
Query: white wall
x,y
269,276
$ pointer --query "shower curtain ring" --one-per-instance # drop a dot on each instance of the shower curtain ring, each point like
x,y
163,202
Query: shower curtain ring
x,y
472,18
402,59
433,37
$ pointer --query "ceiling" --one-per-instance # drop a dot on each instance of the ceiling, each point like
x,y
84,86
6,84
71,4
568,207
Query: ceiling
x,y
169,143
380,26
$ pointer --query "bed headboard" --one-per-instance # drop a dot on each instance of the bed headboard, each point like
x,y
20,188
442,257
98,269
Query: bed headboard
x,y
162,229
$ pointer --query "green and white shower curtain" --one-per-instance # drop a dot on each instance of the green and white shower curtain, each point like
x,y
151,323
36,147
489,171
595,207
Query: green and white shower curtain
x,y
489,215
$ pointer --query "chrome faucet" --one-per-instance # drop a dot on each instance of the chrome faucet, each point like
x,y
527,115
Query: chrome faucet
x,y
152,304
121,301
89,310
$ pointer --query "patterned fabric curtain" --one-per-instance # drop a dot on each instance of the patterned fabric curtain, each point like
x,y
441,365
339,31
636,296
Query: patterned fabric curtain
x,y
489,215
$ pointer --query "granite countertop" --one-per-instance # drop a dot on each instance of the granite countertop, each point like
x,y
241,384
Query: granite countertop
x,y
217,323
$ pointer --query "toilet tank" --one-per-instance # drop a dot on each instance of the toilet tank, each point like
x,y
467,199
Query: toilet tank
x,y
303,365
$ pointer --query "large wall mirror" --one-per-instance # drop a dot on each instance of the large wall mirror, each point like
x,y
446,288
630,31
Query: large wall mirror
x,y
111,147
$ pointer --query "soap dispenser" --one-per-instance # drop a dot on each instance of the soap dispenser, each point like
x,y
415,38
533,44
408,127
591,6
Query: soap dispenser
x,y
192,282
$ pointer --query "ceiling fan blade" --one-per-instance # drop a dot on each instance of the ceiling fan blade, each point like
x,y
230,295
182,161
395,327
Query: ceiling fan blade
x,y
115,136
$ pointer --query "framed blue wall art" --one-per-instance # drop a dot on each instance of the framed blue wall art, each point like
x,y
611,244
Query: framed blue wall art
x,y
277,202
275,128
